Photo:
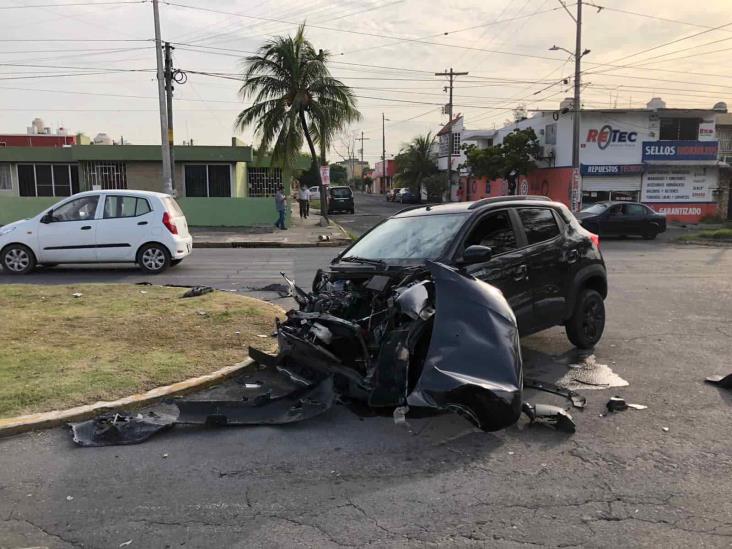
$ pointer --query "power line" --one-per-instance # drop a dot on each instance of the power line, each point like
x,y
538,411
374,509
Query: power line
x,y
109,3
649,16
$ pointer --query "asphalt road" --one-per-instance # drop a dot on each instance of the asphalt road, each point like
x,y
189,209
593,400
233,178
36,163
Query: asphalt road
x,y
370,209
338,479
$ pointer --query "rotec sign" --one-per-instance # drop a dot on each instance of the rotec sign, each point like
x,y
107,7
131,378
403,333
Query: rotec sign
x,y
607,135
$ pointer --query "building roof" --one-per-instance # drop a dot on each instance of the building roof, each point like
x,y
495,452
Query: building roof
x,y
447,127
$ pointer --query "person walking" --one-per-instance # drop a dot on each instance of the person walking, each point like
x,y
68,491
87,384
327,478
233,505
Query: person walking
x,y
303,198
280,202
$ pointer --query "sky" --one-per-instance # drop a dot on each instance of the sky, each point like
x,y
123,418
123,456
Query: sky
x,y
89,65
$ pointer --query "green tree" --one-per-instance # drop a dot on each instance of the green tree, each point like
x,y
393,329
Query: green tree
x,y
338,174
294,97
414,162
435,186
508,160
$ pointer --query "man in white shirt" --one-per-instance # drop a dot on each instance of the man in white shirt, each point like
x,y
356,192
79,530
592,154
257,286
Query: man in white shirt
x,y
303,198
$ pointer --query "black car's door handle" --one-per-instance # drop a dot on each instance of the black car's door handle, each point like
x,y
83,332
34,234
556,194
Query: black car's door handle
x,y
86,227
572,256
520,272
142,222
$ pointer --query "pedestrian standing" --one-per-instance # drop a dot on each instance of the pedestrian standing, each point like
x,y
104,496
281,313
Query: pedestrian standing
x,y
280,202
303,198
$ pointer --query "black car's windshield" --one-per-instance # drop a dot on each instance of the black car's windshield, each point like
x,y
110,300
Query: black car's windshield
x,y
418,237
341,192
595,209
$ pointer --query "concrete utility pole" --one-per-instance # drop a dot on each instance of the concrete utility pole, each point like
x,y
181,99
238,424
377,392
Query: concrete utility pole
x,y
383,150
577,182
167,178
452,74
362,139
169,104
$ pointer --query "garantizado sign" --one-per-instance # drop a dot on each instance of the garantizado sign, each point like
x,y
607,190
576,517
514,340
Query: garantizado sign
x,y
596,170
606,136
680,150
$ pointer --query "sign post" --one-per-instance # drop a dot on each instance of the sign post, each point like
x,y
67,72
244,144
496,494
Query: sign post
x,y
576,191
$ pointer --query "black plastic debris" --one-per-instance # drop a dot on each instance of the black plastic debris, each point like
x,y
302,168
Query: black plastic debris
x,y
616,404
725,382
577,400
547,414
197,291
121,428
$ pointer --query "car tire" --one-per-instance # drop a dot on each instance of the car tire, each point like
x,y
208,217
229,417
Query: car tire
x,y
650,233
153,258
585,326
18,259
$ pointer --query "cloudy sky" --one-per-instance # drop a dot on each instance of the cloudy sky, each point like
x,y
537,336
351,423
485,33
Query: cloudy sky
x,y
89,66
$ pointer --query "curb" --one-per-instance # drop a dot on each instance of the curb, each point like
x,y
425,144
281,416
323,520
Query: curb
x,y
274,244
46,420
711,243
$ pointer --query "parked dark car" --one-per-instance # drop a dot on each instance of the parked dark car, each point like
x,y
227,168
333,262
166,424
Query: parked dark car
x,y
406,196
622,218
340,199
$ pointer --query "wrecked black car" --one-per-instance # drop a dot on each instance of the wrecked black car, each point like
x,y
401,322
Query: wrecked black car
x,y
423,312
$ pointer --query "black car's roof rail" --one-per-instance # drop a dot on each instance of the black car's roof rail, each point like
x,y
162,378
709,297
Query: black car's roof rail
x,y
495,199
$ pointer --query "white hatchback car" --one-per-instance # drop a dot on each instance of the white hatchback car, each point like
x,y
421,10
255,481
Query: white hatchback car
x,y
140,227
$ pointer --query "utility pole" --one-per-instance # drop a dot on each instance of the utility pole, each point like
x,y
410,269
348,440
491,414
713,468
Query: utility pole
x,y
362,139
167,179
577,179
452,74
169,102
383,150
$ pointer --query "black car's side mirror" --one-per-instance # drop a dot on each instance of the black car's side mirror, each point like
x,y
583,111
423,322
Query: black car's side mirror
x,y
48,218
477,254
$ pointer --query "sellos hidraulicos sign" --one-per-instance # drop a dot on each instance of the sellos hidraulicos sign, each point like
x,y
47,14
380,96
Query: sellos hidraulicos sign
x,y
679,150
598,170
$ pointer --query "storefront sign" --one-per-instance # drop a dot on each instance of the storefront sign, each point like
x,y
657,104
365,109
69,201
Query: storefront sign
x,y
679,150
607,136
576,191
679,184
686,213
707,131
596,170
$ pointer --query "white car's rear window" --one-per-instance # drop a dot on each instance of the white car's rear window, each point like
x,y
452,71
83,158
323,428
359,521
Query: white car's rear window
x,y
172,206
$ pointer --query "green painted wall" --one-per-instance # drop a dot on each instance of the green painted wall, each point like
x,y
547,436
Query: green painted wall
x,y
13,208
200,212
239,187
229,212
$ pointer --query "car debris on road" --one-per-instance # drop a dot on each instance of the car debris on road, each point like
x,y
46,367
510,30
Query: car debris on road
x,y
432,337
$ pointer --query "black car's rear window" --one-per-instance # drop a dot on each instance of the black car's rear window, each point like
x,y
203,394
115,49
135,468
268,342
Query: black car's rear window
x,y
539,224
341,192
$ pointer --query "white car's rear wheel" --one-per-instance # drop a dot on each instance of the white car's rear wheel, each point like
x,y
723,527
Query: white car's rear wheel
x,y
153,258
18,259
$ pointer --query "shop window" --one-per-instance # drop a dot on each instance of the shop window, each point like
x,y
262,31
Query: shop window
x,y
678,129
48,179
263,181
208,180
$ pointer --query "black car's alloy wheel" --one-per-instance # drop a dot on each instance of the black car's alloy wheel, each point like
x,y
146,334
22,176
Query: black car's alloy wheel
x,y
585,327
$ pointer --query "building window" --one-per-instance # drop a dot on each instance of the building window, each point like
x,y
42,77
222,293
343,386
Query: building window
x,y
208,180
443,145
6,183
264,181
48,179
550,134
455,144
107,175
678,129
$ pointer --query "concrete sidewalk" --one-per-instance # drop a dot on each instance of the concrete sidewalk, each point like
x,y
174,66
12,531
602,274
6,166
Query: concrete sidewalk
x,y
301,233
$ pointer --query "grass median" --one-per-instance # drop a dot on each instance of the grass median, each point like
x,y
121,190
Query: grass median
x,y
723,234
58,351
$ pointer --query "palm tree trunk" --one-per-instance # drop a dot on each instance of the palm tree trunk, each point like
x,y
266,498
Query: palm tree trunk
x,y
323,197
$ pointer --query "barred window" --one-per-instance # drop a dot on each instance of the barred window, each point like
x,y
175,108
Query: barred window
x,y
263,181
108,175
456,144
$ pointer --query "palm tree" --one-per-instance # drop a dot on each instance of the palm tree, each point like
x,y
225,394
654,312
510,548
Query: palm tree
x,y
294,97
414,162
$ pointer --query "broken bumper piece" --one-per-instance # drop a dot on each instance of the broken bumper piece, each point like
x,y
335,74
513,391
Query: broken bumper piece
x,y
121,428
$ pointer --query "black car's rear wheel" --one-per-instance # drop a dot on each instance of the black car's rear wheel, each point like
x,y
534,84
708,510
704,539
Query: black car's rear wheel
x,y
587,323
650,232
